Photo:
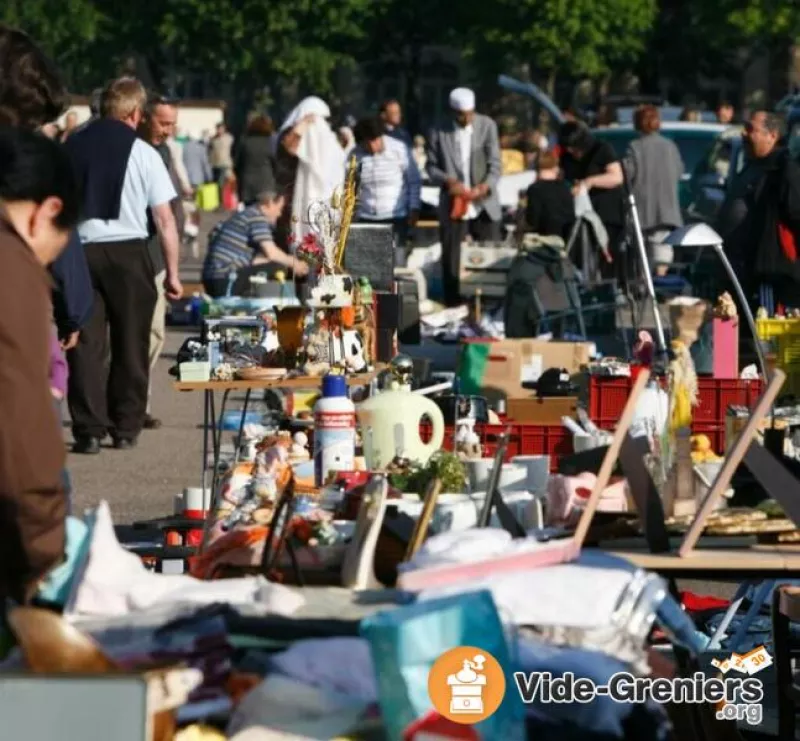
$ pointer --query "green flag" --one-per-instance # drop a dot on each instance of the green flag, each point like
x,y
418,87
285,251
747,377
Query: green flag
x,y
472,367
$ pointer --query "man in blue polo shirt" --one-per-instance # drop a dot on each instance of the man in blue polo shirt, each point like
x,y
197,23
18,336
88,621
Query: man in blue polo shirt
x,y
121,177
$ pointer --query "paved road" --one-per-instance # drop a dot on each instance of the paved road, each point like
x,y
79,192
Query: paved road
x,y
141,483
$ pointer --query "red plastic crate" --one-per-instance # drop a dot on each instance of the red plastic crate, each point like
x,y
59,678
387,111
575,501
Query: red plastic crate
x,y
524,439
607,398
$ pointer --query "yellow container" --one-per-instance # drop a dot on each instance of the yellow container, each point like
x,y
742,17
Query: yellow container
x,y
208,197
768,329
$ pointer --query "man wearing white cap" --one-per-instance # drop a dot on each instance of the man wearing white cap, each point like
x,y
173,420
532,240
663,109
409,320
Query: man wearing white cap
x,y
464,159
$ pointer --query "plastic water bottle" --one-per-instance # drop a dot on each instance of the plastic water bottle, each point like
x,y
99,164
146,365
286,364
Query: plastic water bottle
x,y
334,429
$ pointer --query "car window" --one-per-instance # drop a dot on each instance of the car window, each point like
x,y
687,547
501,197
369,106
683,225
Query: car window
x,y
693,146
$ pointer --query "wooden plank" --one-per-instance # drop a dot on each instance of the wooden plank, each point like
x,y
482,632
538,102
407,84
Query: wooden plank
x,y
719,561
432,492
732,460
610,459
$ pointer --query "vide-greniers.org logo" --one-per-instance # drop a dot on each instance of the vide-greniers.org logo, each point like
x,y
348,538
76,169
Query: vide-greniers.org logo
x,y
741,695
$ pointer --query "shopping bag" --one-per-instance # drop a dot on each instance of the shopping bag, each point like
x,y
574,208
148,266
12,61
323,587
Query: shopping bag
x,y
208,197
406,642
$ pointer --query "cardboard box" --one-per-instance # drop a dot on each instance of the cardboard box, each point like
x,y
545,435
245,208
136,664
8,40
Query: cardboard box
x,y
542,411
514,362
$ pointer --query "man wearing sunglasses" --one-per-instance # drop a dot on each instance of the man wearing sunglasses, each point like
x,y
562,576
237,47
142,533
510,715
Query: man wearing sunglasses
x,y
764,215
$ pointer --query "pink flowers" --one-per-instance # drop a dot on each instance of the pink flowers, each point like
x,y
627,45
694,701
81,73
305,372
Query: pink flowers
x,y
309,250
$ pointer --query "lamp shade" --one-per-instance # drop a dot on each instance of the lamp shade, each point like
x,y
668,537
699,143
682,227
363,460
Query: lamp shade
x,y
694,235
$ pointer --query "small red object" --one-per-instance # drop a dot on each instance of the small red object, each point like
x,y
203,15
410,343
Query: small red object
x,y
230,201
701,602
434,726
787,241
173,538
194,538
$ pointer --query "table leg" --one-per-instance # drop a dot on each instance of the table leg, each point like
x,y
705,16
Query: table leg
x,y
733,608
241,426
218,423
206,408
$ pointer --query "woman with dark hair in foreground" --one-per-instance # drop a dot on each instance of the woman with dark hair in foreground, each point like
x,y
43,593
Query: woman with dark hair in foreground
x,y
40,207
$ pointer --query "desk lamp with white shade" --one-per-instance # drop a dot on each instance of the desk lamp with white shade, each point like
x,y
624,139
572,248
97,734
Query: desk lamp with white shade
x,y
698,236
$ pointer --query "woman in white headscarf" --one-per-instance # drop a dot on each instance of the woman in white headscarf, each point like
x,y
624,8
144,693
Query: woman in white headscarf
x,y
310,162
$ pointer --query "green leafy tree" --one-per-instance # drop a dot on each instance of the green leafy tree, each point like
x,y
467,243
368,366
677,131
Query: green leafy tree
x,y
284,41
718,40
63,29
399,31
579,38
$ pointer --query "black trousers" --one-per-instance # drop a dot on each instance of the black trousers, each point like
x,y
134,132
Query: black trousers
x,y
451,235
112,397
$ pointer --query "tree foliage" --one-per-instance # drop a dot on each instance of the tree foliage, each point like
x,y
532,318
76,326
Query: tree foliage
x,y
584,37
301,43
64,29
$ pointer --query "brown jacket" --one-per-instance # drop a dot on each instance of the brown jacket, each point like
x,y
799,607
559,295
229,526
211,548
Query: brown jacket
x,y
32,502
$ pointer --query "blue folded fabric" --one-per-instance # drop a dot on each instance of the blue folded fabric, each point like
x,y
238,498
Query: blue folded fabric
x,y
602,716
56,586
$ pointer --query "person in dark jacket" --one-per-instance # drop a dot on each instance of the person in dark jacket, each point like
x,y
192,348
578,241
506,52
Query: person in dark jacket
x,y
73,295
550,207
592,164
253,162
772,221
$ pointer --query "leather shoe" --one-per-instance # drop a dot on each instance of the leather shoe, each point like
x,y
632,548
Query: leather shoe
x,y
86,446
151,423
124,443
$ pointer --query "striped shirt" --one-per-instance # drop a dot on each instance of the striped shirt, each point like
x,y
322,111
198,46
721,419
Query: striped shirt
x,y
235,242
390,183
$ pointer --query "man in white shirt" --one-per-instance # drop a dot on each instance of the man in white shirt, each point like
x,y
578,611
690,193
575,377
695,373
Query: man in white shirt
x,y
121,176
464,159
389,180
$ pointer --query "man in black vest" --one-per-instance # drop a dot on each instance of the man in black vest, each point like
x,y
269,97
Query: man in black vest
x,y
158,125
122,176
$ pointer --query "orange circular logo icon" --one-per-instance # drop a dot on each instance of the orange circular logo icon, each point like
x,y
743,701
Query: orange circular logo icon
x,y
466,685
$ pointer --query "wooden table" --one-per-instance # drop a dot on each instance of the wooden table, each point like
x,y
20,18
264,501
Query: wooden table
x,y
212,423
298,382
758,561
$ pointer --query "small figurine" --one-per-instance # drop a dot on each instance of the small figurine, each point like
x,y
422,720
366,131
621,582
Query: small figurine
x,y
468,444
365,317
762,313
223,372
298,452
725,308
